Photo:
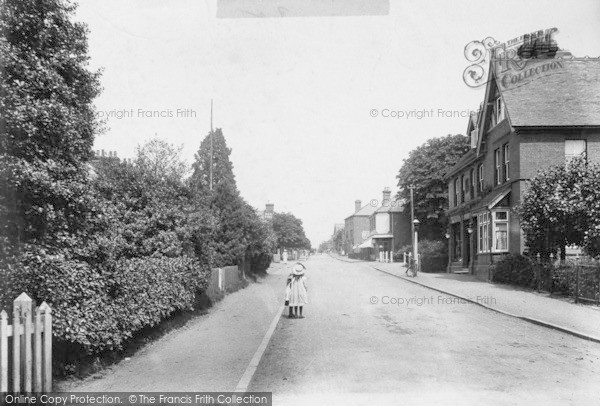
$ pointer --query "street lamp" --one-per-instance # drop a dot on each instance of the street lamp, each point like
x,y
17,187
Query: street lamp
x,y
416,243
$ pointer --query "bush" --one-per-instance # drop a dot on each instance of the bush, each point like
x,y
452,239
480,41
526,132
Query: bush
x,y
515,270
564,280
97,309
434,255
434,263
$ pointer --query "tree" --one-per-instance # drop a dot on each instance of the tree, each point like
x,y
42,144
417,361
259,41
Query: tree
x,y
222,166
425,168
47,122
162,160
289,231
562,207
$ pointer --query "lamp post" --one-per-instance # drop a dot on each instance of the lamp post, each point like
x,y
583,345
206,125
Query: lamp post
x,y
415,224
470,231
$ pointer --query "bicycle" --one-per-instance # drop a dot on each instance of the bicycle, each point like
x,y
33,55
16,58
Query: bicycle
x,y
412,268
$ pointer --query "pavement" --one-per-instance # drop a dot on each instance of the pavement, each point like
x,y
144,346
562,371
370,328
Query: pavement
x,y
210,353
561,314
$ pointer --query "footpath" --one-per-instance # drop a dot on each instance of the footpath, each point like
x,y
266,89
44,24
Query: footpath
x,y
576,319
213,352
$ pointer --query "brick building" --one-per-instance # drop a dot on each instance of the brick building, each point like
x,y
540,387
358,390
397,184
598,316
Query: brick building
x,y
357,227
390,228
534,118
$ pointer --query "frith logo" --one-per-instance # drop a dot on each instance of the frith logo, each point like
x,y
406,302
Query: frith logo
x,y
511,58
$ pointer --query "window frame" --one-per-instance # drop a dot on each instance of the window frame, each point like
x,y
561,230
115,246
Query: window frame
x,y
569,157
488,227
472,183
506,156
497,222
456,191
499,109
497,167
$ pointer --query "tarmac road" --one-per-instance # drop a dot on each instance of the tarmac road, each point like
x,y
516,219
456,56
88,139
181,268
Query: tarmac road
x,y
369,337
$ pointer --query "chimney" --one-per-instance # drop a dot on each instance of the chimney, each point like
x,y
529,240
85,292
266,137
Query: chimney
x,y
386,196
270,207
357,206
103,154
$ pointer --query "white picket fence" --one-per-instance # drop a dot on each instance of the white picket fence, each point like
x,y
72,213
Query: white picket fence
x,y
29,368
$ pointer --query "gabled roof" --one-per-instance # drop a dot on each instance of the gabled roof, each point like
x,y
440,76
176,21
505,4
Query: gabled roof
x,y
566,94
464,160
395,206
366,210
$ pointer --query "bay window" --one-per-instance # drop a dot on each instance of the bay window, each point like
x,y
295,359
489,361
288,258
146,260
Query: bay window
x,y
493,226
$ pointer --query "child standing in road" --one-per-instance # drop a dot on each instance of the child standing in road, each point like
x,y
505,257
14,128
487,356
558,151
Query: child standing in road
x,y
288,292
298,291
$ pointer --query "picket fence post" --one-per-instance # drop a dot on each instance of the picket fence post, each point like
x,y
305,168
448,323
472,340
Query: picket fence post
x,y
31,366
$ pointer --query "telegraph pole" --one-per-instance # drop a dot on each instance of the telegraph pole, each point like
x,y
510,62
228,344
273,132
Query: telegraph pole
x,y
211,144
412,213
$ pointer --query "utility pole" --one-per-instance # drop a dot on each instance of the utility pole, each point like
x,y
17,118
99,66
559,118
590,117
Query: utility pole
x,y
412,214
414,237
211,144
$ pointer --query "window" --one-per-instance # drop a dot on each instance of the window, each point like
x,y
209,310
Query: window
x,y
483,222
462,188
506,153
456,192
497,165
499,110
574,148
480,176
472,183
494,225
501,231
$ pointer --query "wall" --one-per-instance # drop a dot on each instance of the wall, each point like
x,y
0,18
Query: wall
x,y
382,223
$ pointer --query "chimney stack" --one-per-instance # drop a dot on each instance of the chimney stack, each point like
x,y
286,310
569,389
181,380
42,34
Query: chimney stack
x,y
387,194
357,206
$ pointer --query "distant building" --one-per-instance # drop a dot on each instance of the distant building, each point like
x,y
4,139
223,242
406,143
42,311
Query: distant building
x,y
267,213
527,122
357,228
389,228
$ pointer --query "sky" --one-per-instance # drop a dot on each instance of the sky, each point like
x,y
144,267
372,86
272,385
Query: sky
x,y
305,103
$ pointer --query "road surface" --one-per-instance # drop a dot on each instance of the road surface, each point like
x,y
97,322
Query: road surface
x,y
369,335
368,338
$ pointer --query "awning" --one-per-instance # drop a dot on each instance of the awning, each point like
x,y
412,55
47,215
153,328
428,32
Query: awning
x,y
383,236
497,199
368,243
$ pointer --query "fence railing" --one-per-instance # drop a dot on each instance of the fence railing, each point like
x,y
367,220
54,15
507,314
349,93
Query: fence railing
x,y
26,348
223,280
579,279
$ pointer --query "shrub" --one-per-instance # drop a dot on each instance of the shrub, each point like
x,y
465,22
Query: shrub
x,y
434,255
516,270
97,309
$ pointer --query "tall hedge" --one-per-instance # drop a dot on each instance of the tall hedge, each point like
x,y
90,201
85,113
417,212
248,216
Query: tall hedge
x,y
98,309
